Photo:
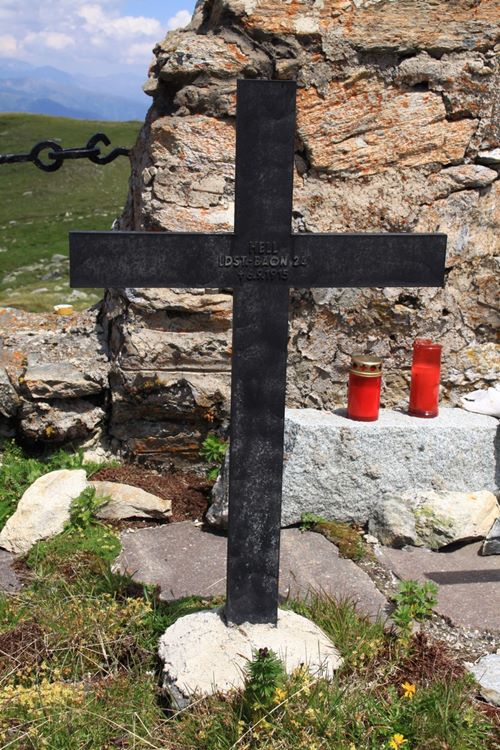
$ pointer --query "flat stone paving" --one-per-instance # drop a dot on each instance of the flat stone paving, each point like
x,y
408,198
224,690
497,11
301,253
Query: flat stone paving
x,y
9,580
469,585
185,560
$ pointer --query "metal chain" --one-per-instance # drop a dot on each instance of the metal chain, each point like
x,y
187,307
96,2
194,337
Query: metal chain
x,y
58,155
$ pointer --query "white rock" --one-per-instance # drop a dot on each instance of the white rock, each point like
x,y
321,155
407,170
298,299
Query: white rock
x,y
487,673
43,510
483,402
202,655
490,157
433,519
130,502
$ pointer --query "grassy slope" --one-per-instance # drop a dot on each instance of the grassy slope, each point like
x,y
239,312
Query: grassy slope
x,y
38,209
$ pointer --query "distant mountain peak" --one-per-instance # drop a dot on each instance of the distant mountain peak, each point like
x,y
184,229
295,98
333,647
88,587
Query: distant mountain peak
x,y
48,90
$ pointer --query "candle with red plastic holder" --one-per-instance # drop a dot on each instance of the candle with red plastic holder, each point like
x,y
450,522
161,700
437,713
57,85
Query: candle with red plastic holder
x,y
365,380
425,378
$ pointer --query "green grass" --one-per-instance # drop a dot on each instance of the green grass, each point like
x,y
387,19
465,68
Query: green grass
x,y
38,209
78,671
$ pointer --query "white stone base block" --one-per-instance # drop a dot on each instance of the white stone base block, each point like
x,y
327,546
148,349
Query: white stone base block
x,y
202,655
341,469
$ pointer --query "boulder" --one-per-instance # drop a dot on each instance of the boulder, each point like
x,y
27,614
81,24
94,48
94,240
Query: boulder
x,y
130,502
43,510
487,673
433,519
341,469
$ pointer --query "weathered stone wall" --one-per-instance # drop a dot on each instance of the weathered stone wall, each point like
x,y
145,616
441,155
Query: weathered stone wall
x,y
398,130
171,370
54,379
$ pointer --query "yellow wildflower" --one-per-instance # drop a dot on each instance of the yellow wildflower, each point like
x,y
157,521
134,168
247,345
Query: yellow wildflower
x,y
396,741
409,689
279,695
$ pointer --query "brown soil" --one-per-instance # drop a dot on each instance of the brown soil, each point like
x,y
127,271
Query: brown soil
x,y
428,661
188,493
22,646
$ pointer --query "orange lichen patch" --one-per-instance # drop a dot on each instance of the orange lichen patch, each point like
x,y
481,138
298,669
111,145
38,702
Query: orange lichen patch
x,y
290,17
158,446
410,24
237,53
364,126
15,321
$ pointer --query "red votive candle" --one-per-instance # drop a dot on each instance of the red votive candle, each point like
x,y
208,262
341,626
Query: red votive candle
x,y
365,380
425,377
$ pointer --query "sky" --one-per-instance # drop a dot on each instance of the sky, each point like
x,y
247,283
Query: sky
x,y
93,37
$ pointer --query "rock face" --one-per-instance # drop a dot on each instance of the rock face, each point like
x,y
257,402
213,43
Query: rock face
x,y
130,502
43,510
433,519
54,379
397,131
171,370
341,469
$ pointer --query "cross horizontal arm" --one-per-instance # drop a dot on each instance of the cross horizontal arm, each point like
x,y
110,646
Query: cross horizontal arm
x,y
147,259
368,260
162,259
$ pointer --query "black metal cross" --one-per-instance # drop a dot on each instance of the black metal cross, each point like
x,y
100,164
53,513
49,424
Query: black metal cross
x,y
261,260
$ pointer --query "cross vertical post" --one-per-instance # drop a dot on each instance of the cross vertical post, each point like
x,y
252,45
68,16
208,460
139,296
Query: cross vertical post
x,y
265,135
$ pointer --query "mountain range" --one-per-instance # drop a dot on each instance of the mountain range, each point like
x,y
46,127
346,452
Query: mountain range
x,y
50,91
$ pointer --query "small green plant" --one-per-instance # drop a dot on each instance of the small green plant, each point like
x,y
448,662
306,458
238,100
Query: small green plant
x,y
309,520
84,507
264,675
213,450
414,602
